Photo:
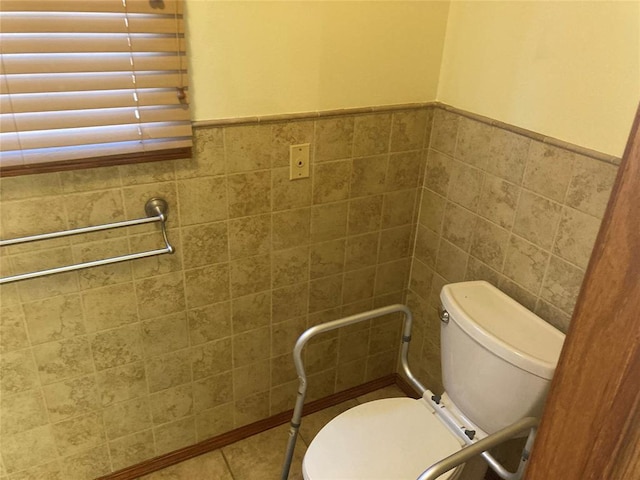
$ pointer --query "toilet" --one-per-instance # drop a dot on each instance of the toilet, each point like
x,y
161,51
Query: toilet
x,y
498,359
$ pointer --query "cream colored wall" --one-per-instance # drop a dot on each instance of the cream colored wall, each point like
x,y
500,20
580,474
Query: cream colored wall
x,y
270,57
569,70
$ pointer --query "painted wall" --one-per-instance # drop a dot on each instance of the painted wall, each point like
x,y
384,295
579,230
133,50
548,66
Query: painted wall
x,y
569,70
262,58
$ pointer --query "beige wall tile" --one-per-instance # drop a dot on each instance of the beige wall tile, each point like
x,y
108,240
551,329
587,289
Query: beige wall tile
x,y
350,374
288,193
409,129
148,172
553,315
325,293
438,172
477,270
71,397
321,355
160,295
250,275
121,383
508,155
489,243
251,346
90,464
27,186
358,285
444,131
131,449
371,134
327,258
421,277
89,179
202,200
251,409
361,251
164,335
288,302
96,208
208,154
248,147
451,262
105,274
128,417
329,221
251,379
286,134
171,404
537,219
365,214
110,307
18,372
49,286
498,201
548,170
214,421
561,284
175,435
206,285
369,175
395,243
519,294
27,449
334,138
251,312
282,369
136,197
50,471
466,185
397,208
281,395
392,277
171,370
403,171
474,142
432,207
22,411
212,322
426,247
331,181
211,358
116,347
289,266
576,235
213,391
291,228
79,433
205,244
591,185
13,334
64,359
525,263
249,236
284,335
458,226
380,365
27,217
249,193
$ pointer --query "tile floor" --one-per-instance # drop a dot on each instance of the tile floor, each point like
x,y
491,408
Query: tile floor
x,y
260,457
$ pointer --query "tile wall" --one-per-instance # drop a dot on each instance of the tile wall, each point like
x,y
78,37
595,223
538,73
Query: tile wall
x,y
507,207
106,367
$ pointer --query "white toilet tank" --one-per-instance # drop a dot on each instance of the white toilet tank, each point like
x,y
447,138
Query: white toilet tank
x,y
497,357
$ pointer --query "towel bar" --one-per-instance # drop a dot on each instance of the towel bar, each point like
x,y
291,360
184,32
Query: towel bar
x,y
156,210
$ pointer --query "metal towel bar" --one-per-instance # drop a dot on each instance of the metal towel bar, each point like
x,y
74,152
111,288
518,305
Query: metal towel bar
x,y
156,210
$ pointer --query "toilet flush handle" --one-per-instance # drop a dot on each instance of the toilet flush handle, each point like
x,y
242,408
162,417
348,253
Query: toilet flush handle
x,y
444,315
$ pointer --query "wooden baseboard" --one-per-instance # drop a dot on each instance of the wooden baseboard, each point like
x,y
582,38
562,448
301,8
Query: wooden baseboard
x,y
177,456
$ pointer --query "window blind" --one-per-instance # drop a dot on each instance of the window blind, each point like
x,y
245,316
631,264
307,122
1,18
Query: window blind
x,y
91,82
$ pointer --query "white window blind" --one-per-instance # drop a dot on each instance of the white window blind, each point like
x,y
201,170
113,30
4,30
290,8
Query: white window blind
x,y
91,82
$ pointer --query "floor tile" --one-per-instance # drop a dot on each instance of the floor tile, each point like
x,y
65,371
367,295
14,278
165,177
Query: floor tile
x,y
261,456
209,466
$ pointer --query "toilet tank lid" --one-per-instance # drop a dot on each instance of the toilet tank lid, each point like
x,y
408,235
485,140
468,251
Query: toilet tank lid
x,y
503,326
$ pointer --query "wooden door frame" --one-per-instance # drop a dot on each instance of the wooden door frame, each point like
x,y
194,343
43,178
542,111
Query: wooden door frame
x,y
590,428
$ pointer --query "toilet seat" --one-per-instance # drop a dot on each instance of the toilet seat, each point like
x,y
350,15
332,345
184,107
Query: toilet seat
x,y
389,439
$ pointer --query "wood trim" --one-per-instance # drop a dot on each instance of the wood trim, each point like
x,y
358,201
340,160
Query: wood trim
x,y
123,159
241,433
591,427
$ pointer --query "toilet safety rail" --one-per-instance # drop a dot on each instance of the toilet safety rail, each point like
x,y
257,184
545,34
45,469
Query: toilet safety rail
x,y
474,447
481,447
156,210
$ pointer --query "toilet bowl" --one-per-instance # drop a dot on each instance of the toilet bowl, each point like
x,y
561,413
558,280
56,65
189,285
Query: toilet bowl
x,y
498,359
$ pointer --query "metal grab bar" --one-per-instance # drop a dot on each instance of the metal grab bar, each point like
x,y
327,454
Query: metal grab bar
x,y
156,210
326,327
482,446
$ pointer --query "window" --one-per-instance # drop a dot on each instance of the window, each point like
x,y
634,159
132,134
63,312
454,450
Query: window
x,y
90,83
